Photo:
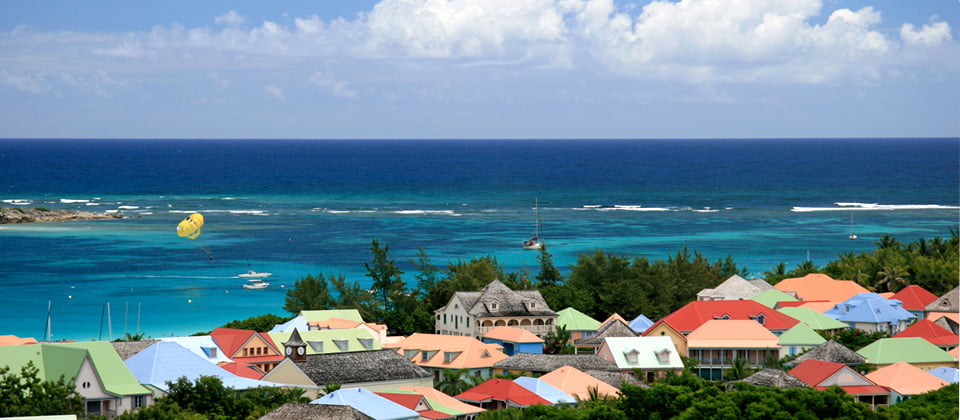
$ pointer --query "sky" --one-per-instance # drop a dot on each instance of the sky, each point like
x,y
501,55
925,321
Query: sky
x,y
466,69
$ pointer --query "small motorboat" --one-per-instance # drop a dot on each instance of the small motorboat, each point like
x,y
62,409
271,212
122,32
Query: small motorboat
x,y
256,285
254,275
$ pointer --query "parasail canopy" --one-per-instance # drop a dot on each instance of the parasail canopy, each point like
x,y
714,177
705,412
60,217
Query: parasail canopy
x,y
190,226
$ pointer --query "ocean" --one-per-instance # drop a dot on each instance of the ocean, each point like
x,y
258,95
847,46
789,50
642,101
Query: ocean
x,y
297,207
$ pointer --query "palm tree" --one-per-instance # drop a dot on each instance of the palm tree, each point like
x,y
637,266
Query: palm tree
x,y
455,381
738,370
892,277
557,341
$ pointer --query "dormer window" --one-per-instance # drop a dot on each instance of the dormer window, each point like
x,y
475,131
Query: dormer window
x,y
722,317
761,319
449,356
343,345
532,304
631,355
494,306
317,346
663,355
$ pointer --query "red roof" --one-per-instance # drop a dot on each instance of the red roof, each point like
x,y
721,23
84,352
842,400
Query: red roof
x,y
813,372
502,390
407,400
860,389
930,331
242,370
914,297
434,414
231,340
696,313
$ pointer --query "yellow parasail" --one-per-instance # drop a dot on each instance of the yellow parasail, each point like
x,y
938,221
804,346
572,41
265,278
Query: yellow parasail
x,y
190,226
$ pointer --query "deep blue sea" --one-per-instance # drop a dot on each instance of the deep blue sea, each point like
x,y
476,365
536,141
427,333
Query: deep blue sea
x,y
293,207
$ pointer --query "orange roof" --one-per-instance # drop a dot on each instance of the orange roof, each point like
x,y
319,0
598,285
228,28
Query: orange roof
x,y
334,324
955,352
614,317
906,379
443,399
577,383
914,298
12,340
819,305
731,333
448,351
931,332
816,286
513,335
934,316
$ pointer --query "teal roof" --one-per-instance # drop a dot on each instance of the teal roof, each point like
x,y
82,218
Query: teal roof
x,y
800,334
322,341
772,296
575,320
814,319
905,349
55,359
646,349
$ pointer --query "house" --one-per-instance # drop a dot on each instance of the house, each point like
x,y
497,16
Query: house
x,y
496,393
101,378
537,364
614,326
950,375
306,411
798,339
694,314
931,332
913,350
663,329
774,378
332,341
771,298
905,380
915,299
946,305
374,370
514,340
436,352
444,403
418,403
473,314
831,351
871,312
640,324
814,319
653,357
368,403
248,347
167,361
733,288
545,390
816,286
580,385
717,343
821,375
577,323
203,346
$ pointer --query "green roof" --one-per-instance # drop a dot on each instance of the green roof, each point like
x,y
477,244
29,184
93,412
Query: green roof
x,y
800,334
350,336
55,359
323,315
906,349
575,320
814,319
113,372
771,297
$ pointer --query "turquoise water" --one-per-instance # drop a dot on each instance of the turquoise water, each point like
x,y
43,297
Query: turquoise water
x,y
298,207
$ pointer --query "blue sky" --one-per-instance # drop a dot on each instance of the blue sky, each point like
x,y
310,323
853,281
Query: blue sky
x,y
480,69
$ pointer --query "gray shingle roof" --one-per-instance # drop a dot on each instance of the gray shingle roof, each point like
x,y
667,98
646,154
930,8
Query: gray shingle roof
x,y
616,379
615,328
306,411
360,366
536,362
508,302
775,378
127,349
949,302
831,351
733,288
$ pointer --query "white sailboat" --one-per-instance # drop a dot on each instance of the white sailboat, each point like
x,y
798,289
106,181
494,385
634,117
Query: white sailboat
x,y
536,242
853,234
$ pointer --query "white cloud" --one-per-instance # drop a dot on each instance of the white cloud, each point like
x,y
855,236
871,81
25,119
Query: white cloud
x,y
34,83
929,35
216,78
275,92
335,87
231,18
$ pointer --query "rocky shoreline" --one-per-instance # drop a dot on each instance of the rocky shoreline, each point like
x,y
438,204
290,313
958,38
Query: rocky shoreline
x,y
10,215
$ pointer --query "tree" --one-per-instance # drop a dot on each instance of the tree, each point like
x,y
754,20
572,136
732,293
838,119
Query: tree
x,y
130,337
385,275
456,381
308,293
27,394
260,323
557,341
891,279
739,369
352,296
549,275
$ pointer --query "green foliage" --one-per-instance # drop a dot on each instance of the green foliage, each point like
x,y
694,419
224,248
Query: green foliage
x,y
331,387
935,405
456,381
207,398
387,282
130,337
41,209
260,323
558,341
854,339
549,274
739,369
27,394
308,293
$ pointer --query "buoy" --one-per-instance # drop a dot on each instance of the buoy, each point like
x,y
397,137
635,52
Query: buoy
x,y
189,300
69,296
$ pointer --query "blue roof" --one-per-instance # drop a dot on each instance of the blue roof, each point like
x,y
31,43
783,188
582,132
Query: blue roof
x,y
298,322
870,308
545,390
168,361
641,323
948,374
367,403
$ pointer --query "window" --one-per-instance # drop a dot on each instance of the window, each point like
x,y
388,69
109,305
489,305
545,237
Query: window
x,y
427,355
663,356
409,353
449,356
85,385
761,318
209,351
367,343
139,401
724,316
93,408
343,345
317,346
494,306
631,356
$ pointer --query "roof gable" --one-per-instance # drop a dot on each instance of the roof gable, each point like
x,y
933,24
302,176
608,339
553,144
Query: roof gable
x,y
496,299
914,297
694,314
616,327
816,372
323,341
813,319
642,352
906,379
905,349
801,334
113,373
931,332
832,351
949,302
640,324
771,297
436,350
